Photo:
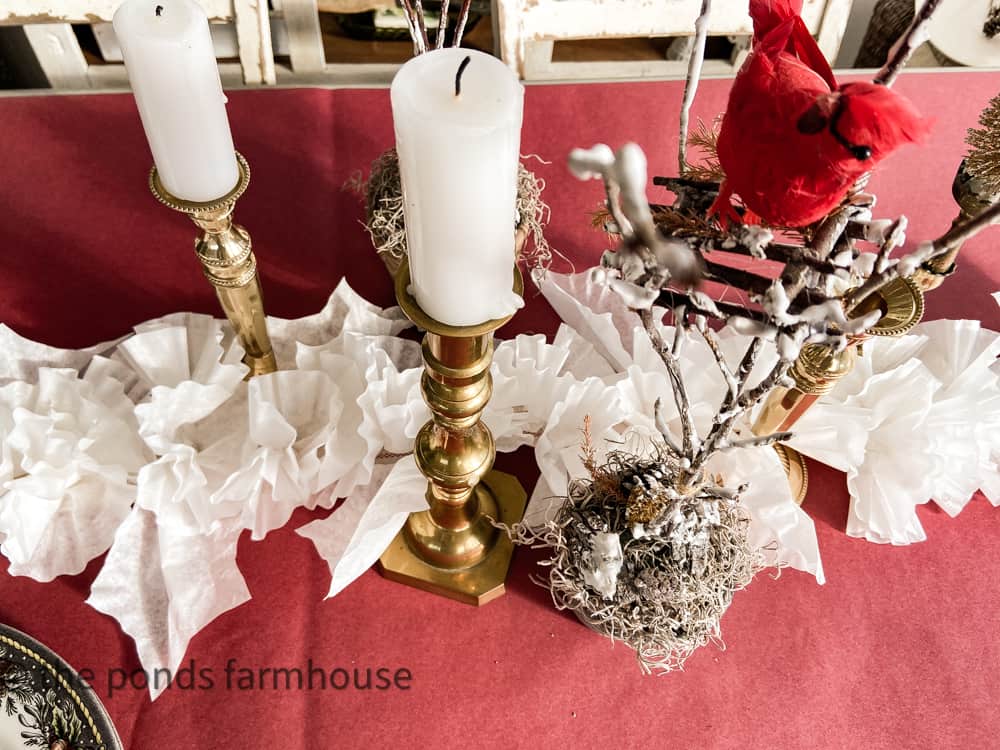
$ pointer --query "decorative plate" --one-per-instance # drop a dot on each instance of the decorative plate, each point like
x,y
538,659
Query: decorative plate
x,y
44,703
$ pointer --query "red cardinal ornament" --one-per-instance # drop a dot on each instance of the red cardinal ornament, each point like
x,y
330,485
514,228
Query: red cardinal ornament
x,y
792,141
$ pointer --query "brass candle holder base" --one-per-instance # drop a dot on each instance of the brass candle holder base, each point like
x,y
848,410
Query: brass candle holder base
x,y
498,495
794,464
453,549
818,369
229,265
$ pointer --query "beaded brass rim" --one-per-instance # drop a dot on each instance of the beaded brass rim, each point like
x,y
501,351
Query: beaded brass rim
x,y
424,321
904,303
195,207
798,472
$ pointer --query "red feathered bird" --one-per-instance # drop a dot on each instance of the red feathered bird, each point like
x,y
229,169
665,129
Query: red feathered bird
x,y
792,141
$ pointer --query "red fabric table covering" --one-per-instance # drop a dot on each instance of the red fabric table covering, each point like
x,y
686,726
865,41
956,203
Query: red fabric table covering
x,y
898,649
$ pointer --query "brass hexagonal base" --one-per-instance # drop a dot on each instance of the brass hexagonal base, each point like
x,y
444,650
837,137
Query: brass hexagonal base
x,y
796,469
478,584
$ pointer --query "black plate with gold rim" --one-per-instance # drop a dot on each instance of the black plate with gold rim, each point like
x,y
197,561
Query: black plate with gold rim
x,y
44,703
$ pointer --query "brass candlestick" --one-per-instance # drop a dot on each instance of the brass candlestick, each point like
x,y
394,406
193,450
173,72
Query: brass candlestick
x,y
818,369
453,549
229,264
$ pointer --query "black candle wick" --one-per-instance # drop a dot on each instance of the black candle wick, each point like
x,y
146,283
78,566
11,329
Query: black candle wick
x,y
458,76
159,10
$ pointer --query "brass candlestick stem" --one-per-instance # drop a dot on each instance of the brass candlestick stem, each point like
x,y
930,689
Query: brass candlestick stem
x,y
453,549
818,369
229,264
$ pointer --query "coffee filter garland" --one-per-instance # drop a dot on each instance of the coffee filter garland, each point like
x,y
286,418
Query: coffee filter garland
x,y
69,457
197,475
930,398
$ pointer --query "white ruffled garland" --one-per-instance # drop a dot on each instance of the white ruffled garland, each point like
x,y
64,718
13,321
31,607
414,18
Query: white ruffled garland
x,y
156,448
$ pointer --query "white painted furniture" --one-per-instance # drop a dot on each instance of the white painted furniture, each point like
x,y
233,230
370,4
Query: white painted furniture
x,y
47,24
528,30
244,29
525,32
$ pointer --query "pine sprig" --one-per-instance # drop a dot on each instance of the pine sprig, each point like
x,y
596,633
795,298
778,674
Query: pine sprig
x,y
983,161
705,138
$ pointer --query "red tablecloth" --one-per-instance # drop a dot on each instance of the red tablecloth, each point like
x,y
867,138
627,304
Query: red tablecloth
x,y
898,649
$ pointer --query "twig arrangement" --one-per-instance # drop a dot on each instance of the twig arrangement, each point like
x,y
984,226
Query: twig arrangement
x,y
643,544
413,11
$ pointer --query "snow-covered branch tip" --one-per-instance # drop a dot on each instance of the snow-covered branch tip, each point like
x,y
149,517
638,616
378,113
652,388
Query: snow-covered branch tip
x,y
646,258
903,49
695,63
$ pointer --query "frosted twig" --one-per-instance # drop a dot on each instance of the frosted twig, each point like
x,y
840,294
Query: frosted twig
x,y
664,429
680,316
421,25
753,395
695,63
463,17
689,435
748,362
830,230
419,41
442,25
720,359
751,442
901,51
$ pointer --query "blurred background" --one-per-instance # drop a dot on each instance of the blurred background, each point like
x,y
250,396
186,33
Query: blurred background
x,y
70,44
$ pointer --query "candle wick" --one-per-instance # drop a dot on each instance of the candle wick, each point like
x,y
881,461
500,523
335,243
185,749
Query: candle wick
x,y
159,10
458,76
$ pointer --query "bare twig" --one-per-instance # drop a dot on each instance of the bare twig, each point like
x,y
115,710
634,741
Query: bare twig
x,y
901,51
695,63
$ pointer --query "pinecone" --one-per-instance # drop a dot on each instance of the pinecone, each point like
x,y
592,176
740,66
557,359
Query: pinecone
x,y
644,488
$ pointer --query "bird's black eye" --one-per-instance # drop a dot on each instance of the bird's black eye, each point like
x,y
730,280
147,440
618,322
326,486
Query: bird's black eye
x,y
861,153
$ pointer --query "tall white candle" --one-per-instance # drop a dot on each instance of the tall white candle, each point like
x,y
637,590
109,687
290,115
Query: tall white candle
x,y
170,60
458,158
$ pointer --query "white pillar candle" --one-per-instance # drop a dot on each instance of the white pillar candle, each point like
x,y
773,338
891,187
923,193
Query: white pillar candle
x,y
458,159
171,65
